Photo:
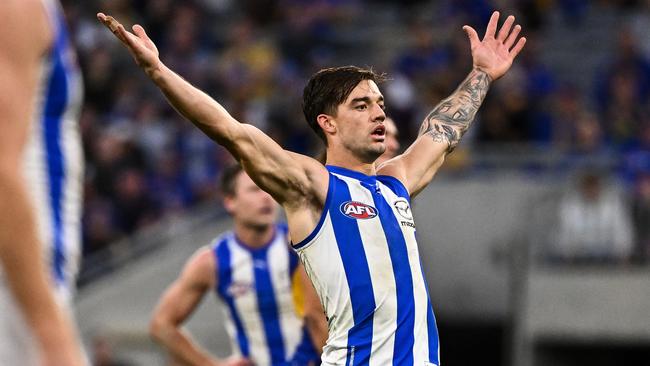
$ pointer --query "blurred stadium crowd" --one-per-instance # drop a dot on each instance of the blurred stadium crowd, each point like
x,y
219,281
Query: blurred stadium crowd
x,y
254,56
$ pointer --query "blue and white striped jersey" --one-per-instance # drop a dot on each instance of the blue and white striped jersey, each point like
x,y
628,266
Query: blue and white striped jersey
x,y
262,297
53,157
364,263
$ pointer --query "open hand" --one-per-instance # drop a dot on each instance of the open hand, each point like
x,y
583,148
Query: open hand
x,y
495,53
142,48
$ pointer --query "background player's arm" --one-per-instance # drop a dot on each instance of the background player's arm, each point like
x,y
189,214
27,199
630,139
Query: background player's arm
x,y
314,315
446,124
177,304
25,37
285,175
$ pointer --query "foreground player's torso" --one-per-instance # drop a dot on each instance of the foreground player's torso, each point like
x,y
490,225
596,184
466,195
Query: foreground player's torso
x,y
364,262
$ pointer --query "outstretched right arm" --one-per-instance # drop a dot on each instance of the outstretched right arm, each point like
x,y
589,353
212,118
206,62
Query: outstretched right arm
x,y
285,175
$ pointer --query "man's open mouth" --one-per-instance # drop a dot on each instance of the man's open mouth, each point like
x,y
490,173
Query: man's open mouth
x,y
380,130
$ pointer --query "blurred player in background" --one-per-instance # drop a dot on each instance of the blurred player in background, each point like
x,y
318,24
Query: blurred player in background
x,y
40,185
261,282
352,219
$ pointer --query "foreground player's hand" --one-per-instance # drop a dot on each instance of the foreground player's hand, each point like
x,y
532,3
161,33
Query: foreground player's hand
x,y
142,48
495,53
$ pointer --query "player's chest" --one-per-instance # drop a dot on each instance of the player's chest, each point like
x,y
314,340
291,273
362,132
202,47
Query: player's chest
x,y
259,281
373,208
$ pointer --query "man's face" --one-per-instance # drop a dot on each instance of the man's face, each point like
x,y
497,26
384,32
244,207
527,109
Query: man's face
x,y
250,205
359,122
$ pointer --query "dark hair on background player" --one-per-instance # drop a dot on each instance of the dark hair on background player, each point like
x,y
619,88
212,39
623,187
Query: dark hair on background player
x,y
330,87
228,178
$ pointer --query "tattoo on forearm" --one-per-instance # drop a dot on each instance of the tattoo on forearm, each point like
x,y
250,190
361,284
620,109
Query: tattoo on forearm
x,y
450,119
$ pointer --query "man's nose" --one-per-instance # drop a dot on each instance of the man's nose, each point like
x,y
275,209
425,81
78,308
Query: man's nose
x,y
378,114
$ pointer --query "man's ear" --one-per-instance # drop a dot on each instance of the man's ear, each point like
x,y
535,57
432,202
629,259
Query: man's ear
x,y
229,204
327,123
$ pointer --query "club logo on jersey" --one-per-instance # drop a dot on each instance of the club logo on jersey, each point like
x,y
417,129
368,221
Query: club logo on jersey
x,y
358,210
403,209
259,264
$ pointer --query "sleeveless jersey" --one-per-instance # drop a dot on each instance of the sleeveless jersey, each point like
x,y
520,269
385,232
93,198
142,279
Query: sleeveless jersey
x,y
259,290
53,158
364,263
53,167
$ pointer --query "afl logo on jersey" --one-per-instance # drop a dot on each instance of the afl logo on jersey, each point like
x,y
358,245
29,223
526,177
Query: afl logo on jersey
x,y
237,289
358,210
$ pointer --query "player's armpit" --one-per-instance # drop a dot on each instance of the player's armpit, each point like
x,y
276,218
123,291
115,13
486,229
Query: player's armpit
x,y
292,179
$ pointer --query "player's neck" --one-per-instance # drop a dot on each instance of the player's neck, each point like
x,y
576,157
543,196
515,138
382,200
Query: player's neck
x,y
350,162
254,237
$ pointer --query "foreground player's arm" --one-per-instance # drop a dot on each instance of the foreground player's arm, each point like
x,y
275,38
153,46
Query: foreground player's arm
x,y
314,315
446,124
25,38
176,305
284,175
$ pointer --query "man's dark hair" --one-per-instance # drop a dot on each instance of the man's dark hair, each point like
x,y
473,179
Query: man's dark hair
x,y
330,87
228,178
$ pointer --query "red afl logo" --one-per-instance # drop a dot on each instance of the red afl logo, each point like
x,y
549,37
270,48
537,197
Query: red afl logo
x,y
358,210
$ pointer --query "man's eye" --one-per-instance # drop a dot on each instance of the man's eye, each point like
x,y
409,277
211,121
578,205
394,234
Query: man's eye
x,y
360,107
383,107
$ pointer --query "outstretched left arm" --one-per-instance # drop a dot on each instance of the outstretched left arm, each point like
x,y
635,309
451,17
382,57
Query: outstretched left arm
x,y
450,119
446,124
